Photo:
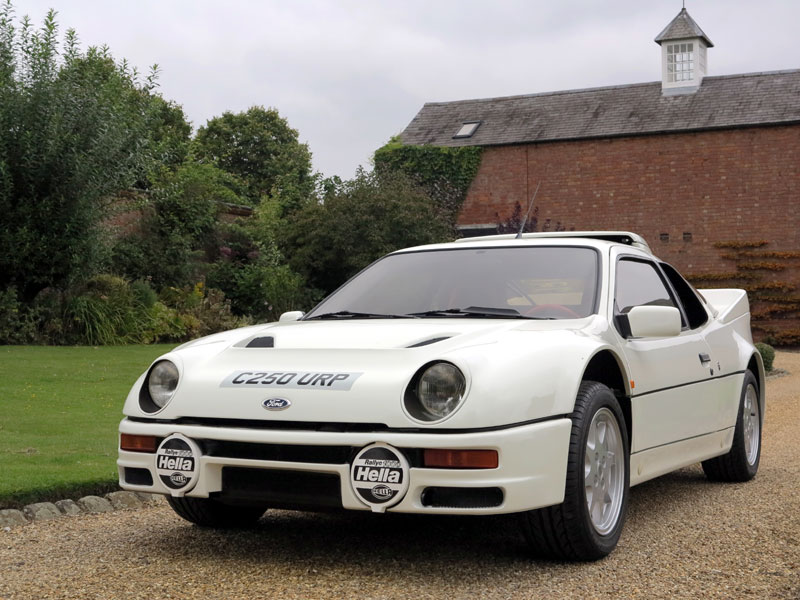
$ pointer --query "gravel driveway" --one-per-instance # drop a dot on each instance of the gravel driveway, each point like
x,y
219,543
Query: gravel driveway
x,y
684,538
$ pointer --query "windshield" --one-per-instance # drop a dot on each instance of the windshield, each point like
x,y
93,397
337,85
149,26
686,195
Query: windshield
x,y
522,282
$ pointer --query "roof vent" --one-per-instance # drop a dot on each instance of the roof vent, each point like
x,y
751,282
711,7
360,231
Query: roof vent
x,y
468,129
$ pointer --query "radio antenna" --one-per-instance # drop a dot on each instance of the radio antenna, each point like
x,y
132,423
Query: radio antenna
x,y
527,214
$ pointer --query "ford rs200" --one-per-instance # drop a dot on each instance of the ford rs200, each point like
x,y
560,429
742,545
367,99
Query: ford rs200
x,y
540,374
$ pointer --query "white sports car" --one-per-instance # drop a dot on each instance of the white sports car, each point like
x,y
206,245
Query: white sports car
x,y
541,374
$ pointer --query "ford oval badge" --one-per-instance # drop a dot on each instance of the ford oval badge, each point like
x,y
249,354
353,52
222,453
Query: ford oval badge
x,y
276,403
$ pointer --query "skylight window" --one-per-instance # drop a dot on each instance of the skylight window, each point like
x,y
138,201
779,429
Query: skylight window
x,y
468,128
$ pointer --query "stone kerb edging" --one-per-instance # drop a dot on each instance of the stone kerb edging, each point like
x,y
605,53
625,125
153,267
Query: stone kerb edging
x,y
44,511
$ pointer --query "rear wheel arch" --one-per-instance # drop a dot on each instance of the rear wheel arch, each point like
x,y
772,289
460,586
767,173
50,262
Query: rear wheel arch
x,y
756,367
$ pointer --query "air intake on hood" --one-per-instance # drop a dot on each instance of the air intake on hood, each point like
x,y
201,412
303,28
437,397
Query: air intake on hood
x,y
428,342
262,342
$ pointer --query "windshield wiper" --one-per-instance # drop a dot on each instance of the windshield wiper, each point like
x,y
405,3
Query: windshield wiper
x,y
474,311
346,314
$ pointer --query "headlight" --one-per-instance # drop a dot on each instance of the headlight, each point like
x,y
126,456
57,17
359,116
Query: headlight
x,y
435,392
161,383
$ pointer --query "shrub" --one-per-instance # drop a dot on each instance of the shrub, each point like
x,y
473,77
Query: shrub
x,y
195,311
17,323
767,355
164,324
104,312
251,272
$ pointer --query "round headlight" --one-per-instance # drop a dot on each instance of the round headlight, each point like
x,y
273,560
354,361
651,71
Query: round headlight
x,y
161,382
440,390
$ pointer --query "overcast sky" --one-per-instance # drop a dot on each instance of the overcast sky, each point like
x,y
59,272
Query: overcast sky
x,y
349,74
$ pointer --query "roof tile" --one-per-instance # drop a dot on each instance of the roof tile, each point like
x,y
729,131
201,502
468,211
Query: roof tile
x,y
730,101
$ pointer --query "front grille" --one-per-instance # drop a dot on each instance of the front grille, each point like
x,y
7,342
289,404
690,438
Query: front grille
x,y
326,455
280,488
329,455
457,497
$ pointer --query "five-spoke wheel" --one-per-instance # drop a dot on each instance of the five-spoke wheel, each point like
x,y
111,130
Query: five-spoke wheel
x,y
588,523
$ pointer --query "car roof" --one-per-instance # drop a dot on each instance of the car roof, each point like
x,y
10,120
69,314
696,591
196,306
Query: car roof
x,y
595,239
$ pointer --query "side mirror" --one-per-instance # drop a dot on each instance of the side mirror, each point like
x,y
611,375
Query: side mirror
x,y
654,321
293,315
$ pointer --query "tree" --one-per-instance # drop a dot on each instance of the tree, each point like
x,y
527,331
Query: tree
x,y
74,131
171,133
360,221
173,236
259,147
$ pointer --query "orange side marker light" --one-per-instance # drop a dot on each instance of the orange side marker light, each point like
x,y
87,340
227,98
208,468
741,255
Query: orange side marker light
x,y
460,459
138,443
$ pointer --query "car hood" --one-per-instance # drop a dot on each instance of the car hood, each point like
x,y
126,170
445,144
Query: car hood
x,y
357,371
370,334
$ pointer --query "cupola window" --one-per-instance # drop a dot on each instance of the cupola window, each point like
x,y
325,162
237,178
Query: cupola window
x,y
680,62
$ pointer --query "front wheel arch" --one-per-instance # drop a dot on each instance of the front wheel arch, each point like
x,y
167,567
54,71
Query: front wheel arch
x,y
568,531
606,368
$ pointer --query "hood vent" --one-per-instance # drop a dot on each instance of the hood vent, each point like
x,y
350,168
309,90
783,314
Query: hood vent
x,y
429,342
262,342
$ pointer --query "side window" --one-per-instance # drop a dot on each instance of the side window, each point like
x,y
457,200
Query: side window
x,y
695,311
638,284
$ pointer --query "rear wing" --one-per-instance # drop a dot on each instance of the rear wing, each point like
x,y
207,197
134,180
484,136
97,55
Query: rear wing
x,y
727,304
620,237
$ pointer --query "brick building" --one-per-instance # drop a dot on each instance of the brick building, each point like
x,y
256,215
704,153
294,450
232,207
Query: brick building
x,y
707,169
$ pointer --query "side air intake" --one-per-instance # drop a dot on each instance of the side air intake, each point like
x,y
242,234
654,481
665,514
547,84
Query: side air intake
x,y
262,342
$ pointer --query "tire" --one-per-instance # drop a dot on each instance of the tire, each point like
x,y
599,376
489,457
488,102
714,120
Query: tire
x,y
741,462
208,512
569,531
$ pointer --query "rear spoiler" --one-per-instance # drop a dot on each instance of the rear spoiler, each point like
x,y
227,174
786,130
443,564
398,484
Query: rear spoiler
x,y
620,237
727,304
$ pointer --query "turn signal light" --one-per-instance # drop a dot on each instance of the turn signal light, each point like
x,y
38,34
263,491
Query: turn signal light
x,y
460,459
137,443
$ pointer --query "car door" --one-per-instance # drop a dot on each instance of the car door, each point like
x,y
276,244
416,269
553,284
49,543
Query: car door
x,y
671,377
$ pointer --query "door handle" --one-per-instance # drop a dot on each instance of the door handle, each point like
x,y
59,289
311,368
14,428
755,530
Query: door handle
x,y
704,358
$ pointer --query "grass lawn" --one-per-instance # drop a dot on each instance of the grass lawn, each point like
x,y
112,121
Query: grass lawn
x,y
59,411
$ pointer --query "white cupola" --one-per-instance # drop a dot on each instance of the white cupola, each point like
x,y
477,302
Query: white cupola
x,y
683,55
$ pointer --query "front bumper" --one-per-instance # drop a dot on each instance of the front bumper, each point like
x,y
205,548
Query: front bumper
x,y
530,474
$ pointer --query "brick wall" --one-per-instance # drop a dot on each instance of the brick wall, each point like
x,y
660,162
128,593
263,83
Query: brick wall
x,y
741,184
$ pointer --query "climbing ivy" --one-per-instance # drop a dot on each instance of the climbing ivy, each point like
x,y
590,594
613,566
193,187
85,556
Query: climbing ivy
x,y
445,173
773,303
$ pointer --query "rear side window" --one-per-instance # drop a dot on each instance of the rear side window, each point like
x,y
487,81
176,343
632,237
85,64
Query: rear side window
x,y
695,311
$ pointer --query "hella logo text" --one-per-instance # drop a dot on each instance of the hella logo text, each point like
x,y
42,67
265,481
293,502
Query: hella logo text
x,y
382,475
382,492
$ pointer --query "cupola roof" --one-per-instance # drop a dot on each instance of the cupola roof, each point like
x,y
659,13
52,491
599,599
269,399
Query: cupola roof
x,y
682,27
